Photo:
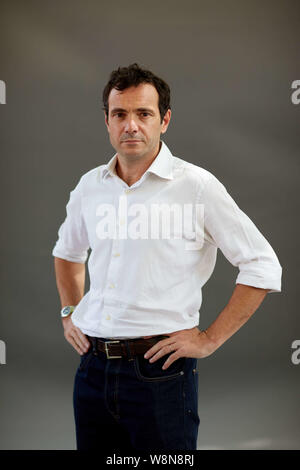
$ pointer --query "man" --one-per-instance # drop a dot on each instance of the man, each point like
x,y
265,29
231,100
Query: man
x,y
136,329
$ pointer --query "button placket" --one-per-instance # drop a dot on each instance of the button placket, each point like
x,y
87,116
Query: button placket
x,y
115,257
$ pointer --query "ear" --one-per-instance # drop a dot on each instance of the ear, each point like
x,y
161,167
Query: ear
x,y
106,121
166,121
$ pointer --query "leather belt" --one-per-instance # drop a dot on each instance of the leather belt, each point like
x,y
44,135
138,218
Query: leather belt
x,y
119,348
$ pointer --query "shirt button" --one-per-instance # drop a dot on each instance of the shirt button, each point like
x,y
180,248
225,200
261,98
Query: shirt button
x,y
116,254
108,317
127,191
111,285
122,221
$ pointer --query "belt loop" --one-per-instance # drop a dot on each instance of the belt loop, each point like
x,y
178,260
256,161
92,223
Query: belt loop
x,y
130,358
94,344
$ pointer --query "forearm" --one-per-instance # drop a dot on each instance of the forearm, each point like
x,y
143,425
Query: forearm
x,y
243,303
70,281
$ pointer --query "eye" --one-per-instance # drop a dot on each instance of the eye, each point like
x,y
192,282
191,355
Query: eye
x,y
118,115
145,113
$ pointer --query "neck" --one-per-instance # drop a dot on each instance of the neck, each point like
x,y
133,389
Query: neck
x,y
131,170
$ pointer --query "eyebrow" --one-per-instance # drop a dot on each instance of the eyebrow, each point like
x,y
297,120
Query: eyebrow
x,y
121,110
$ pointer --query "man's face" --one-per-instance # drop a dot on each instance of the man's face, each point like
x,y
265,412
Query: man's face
x,y
134,121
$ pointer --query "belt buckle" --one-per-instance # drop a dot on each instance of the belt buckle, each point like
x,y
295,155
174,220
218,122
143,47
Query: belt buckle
x,y
107,352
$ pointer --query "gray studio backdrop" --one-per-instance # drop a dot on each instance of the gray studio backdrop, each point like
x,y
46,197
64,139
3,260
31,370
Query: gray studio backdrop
x,y
230,65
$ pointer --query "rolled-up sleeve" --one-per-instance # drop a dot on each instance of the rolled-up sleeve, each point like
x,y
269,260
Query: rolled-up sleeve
x,y
231,230
73,244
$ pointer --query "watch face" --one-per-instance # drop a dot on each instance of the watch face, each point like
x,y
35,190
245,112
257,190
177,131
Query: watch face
x,y
66,311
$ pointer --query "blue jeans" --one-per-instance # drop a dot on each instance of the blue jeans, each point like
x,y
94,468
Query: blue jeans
x,y
122,404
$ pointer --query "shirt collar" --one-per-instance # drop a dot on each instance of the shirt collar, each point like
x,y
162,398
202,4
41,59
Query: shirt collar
x,y
161,165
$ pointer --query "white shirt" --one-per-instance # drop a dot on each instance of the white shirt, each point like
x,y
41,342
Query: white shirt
x,y
146,286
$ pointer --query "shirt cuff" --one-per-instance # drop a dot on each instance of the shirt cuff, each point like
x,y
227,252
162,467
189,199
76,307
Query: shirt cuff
x,y
261,281
70,256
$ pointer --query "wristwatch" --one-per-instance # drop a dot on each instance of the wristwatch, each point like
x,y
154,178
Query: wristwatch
x,y
65,311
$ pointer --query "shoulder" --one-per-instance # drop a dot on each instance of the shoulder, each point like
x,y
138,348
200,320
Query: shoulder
x,y
192,174
92,175
90,178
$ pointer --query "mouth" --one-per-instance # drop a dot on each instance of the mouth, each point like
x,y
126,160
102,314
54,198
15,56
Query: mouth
x,y
131,141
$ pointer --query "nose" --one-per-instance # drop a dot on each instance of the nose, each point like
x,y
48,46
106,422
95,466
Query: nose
x,y
131,126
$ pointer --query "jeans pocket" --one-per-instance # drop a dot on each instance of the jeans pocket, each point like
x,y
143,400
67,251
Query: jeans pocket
x,y
85,359
153,372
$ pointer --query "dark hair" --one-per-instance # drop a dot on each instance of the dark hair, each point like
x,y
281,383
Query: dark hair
x,y
134,75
